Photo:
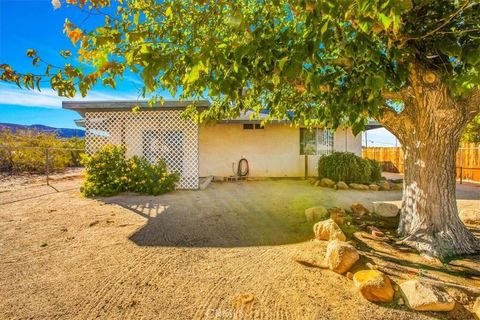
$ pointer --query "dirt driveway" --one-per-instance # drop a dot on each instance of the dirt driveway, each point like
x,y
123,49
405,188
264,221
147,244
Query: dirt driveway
x,y
221,253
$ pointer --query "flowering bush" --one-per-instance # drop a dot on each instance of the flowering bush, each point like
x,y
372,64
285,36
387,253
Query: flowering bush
x,y
108,172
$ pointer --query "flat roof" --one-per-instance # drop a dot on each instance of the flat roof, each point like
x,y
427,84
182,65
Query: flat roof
x,y
122,105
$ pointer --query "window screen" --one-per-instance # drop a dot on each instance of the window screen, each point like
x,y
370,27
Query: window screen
x,y
316,141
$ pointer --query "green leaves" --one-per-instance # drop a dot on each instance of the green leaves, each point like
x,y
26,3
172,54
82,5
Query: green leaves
x,y
315,63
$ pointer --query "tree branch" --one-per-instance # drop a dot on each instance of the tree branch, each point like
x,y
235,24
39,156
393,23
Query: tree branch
x,y
390,95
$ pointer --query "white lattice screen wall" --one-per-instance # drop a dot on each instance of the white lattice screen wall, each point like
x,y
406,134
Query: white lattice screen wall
x,y
151,134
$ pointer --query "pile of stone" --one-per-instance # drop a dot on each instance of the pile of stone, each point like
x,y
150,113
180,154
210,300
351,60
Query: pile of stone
x,y
375,286
384,185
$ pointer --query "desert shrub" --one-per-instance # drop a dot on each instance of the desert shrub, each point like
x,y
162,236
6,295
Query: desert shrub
x,y
105,172
145,177
347,167
24,151
108,172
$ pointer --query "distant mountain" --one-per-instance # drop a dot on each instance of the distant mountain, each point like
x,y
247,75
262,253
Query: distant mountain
x,y
61,132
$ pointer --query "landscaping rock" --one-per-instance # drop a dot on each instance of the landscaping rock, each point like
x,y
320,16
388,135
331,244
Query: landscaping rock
x,y
359,209
374,187
385,209
358,186
423,297
328,230
374,285
384,185
470,216
325,182
311,254
342,185
338,215
316,214
476,308
317,183
341,256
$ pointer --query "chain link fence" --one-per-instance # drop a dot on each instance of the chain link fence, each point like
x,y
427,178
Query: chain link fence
x,y
39,163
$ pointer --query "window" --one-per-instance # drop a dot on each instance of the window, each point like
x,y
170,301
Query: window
x,y
316,141
252,126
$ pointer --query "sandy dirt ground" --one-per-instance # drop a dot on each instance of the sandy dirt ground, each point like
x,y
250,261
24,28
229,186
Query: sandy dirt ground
x,y
221,253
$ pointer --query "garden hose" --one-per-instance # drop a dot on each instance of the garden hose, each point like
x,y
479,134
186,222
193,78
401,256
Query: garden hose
x,y
242,169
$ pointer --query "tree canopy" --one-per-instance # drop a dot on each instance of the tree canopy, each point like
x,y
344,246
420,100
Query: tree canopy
x,y
313,62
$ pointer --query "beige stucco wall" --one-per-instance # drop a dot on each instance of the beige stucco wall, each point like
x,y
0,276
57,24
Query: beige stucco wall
x,y
271,152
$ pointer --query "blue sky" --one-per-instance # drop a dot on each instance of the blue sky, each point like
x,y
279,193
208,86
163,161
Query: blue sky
x,y
26,24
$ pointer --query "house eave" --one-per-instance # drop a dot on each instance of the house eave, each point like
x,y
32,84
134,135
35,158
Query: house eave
x,y
123,105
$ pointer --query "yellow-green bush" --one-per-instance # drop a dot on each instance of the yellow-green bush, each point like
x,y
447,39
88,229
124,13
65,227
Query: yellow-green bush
x,y
108,172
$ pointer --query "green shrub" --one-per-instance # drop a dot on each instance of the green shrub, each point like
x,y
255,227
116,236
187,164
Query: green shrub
x,y
375,170
347,167
105,172
108,172
144,177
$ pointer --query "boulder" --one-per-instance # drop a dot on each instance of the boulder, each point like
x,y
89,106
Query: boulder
x,y
374,285
358,186
325,182
316,214
338,215
476,308
358,209
385,209
328,230
317,183
423,297
384,185
470,216
340,256
342,185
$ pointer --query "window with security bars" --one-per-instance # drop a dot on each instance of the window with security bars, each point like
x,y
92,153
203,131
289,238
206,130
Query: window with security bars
x,y
316,141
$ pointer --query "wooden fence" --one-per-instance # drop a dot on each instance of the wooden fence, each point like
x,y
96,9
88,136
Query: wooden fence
x,y
391,158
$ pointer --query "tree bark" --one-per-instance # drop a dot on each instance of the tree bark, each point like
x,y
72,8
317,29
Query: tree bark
x,y
429,129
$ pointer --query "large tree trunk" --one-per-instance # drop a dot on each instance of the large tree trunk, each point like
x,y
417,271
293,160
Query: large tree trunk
x,y
429,129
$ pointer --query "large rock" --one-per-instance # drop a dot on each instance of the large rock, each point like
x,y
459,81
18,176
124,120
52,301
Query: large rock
x,y
385,209
328,230
338,215
358,186
340,256
384,185
325,182
316,214
317,183
470,216
359,209
423,297
374,285
342,185
374,187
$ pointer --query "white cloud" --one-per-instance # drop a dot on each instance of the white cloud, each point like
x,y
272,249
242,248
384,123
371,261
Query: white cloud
x,y
48,98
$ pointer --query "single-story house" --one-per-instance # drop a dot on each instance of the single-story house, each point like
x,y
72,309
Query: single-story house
x,y
213,149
